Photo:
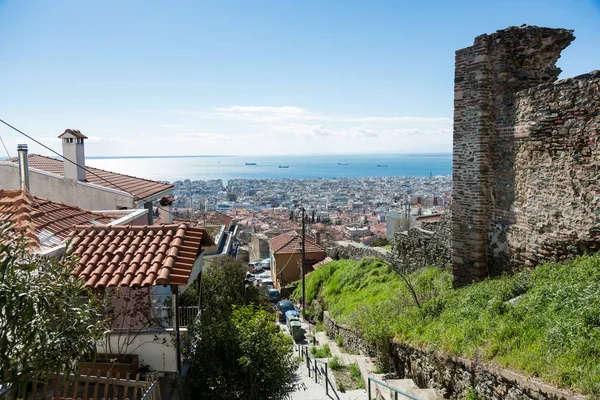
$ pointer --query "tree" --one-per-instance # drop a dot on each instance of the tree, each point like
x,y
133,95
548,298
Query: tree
x,y
236,351
48,320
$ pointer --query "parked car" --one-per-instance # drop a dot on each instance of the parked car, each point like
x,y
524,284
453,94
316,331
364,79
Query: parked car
x,y
267,283
263,276
255,267
266,263
283,306
273,295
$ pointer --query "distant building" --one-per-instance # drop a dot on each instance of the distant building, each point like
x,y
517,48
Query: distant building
x,y
355,232
286,257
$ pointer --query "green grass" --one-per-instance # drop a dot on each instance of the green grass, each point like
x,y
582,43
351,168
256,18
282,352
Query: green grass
x,y
552,332
323,352
319,327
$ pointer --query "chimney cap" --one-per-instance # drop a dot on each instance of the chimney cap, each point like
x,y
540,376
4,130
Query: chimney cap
x,y
21,147
73,132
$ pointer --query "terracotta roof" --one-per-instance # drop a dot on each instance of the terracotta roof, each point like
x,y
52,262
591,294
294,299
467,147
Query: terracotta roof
x,y
47,223
73,132
139,187
326,260
216,218
291,242
135,256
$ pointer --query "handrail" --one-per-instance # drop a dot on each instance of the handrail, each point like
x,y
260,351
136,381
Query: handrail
x,y
397,391
320,371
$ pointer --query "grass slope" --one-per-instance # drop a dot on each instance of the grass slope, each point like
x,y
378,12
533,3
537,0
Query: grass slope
x,y
551,330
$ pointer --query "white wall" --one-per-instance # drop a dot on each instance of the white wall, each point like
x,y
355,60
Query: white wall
x,y
150,348
54,187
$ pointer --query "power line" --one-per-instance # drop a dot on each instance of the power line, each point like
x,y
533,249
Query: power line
x,y
5,147
71,161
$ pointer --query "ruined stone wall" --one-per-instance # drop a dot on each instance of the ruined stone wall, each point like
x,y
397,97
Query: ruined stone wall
x,y
557,168
426,246
516,143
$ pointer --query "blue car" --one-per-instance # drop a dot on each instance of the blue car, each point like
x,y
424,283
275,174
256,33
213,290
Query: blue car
x,y
282,307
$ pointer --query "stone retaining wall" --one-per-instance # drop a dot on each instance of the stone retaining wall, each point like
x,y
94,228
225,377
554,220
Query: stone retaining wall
x,y
452,376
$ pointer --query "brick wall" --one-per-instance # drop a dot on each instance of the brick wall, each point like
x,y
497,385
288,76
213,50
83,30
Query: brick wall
x,y
525,154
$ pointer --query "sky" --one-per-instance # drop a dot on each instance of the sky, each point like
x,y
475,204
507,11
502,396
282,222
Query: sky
x,y
243,77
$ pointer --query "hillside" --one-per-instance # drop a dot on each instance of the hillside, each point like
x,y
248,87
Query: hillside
x,y
544,322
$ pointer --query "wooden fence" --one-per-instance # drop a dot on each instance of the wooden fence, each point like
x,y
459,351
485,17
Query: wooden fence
x,y
95,387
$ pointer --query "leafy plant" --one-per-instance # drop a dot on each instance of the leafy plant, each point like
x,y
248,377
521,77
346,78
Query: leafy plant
x,y
356,375
335,364
471,394
48,320
323,352
236,351
339,340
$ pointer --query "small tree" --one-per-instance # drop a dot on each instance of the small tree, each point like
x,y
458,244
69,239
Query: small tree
x,y
48,320
236,351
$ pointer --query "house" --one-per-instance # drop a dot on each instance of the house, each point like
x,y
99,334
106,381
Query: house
x,y
48,224
286,257
72,182
152,265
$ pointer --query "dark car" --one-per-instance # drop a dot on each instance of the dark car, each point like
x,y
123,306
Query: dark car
x,y
273,295
282,307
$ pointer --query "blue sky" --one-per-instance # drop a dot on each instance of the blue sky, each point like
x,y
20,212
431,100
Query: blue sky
x,y
253,76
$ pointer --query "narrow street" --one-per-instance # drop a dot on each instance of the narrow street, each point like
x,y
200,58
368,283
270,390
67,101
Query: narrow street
x,y
308,388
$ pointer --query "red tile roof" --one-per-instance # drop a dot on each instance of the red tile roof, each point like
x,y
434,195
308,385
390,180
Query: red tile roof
x,y
216,218
139,187
73,132
291,242
47,223
136,256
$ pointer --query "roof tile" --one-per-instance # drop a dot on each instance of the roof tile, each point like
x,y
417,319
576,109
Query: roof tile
x,y
35,217
131,256
139,187
291,242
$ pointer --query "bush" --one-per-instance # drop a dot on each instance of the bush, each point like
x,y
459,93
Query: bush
x,y
356,375
335,364
323,352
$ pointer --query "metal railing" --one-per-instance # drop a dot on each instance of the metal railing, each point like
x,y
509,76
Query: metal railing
x,y
395,390
165,315
317,370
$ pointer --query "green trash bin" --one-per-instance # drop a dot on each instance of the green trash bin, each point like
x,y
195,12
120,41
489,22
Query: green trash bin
x,y
296,330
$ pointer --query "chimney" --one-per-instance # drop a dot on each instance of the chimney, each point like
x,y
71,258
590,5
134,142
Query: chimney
x,y
165,210
23,166
318,237
72,144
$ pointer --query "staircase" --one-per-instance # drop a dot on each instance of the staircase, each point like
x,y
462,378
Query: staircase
x,y
404,387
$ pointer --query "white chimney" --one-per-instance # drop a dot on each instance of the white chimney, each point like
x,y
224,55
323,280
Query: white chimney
x,y
165,210
23,166
72,144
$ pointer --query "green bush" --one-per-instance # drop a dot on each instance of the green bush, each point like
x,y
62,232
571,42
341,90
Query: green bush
x,y
335,364
323,352
320,327
356,375
339,340
550,330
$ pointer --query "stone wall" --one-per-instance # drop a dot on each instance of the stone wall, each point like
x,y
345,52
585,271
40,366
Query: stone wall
x,y
351,251
525,149
427,245
451,376
454,376
351,339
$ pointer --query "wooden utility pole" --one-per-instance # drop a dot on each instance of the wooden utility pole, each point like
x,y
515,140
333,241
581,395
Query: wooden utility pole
x,y
303,267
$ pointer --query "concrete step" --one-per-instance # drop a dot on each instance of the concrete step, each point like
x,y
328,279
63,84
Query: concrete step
x,y
407,386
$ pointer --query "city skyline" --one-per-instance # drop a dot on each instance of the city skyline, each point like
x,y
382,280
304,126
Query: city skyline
x,y
262,77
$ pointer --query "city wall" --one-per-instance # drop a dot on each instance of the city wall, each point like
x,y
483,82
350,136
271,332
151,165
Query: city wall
x,y
526,157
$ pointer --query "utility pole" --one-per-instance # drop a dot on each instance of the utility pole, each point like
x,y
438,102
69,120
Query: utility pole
x,y
303,267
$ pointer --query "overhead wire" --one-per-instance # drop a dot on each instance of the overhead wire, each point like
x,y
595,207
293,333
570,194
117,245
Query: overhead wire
x,y
72,162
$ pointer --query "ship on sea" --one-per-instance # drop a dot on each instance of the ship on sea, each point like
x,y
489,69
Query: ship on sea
x,y
381,165
250,163
340,163
284,166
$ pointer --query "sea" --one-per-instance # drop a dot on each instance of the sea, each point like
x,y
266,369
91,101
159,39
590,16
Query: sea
x,y
173,168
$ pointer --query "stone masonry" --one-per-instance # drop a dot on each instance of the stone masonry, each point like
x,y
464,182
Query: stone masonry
x,y
526,156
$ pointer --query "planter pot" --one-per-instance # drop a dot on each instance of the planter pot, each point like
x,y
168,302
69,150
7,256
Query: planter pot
x,y
107,363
